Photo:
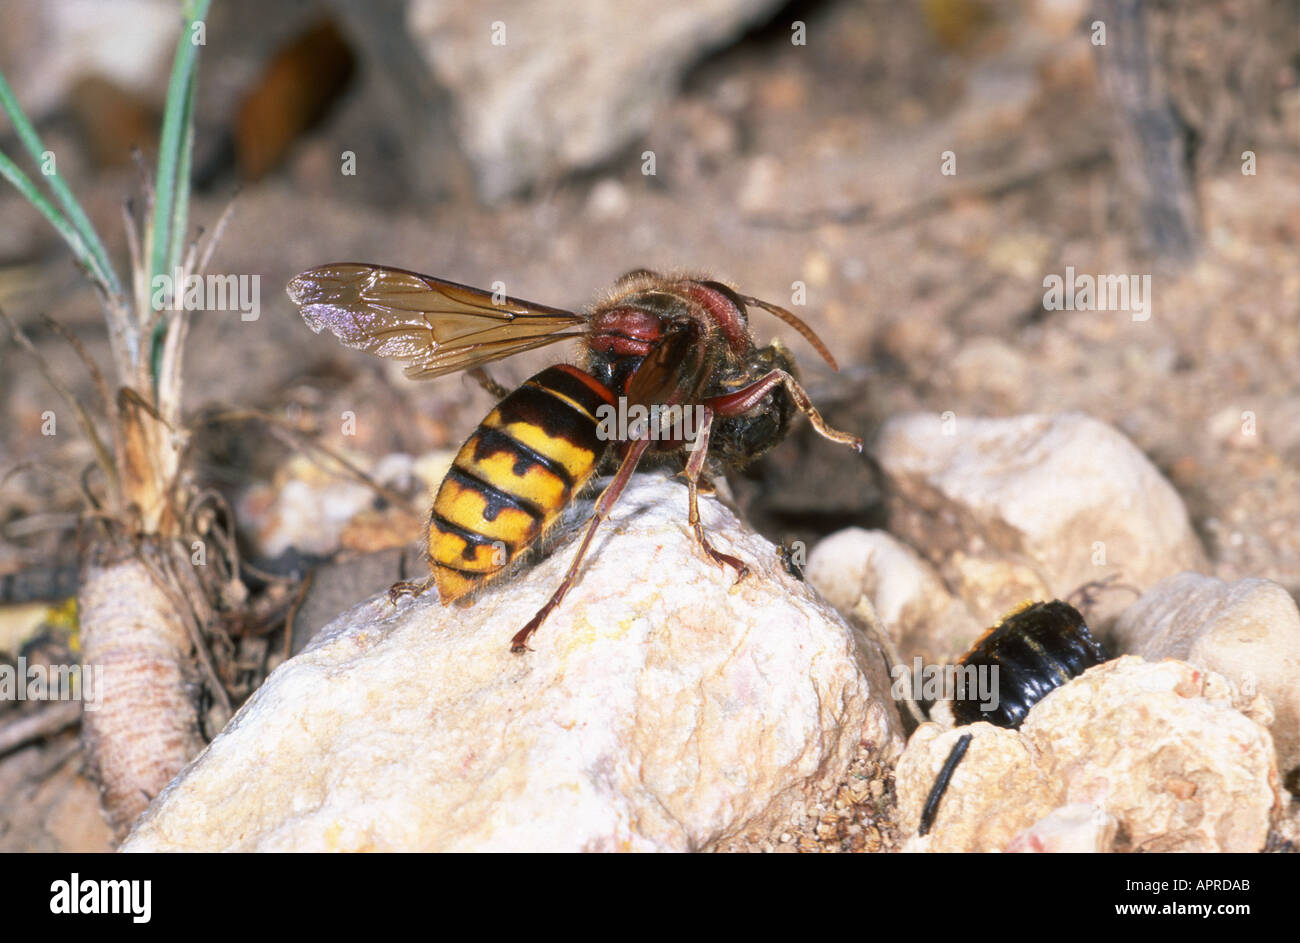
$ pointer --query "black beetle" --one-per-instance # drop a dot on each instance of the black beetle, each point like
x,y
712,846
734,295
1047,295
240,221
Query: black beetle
x,y
1035,648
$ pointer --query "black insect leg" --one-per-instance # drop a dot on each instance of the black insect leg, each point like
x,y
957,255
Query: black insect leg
x,y
941,783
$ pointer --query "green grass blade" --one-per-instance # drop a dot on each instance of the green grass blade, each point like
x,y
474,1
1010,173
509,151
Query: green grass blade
x,y
92,253
179,94
23,184
180,217
181,203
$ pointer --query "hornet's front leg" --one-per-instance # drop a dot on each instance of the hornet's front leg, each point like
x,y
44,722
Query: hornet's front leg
x,y
746,398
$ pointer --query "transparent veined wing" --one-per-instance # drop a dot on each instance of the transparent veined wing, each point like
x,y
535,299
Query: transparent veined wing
x,y
438,326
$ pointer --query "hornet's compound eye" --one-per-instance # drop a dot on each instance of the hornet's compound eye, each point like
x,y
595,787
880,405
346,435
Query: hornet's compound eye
x,y
728,292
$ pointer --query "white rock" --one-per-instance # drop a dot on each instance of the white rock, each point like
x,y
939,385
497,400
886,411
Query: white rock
x,y
661,710
548,86
991,583
921,616
48,47
1247,631
1067,492
1081,828
308,507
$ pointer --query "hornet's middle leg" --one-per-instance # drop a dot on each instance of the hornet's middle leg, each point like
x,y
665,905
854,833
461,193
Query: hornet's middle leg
x,y
694,469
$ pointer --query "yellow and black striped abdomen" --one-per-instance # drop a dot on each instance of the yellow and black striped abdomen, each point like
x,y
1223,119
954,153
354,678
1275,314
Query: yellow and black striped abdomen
x,y
514,476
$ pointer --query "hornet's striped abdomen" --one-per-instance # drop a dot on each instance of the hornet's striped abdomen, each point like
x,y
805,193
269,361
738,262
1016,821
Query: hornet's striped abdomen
x,y
514,477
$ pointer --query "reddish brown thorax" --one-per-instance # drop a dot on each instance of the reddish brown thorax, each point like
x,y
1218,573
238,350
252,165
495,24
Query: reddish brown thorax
x,y
625,331
631,330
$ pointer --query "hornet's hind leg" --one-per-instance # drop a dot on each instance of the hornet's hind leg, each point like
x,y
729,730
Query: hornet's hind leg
x,y
409,588
608,498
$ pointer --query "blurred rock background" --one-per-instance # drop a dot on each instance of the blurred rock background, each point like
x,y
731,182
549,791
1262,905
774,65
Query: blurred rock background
x,y
795,148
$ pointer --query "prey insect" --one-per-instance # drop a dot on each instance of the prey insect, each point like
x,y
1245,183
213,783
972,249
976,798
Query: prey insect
x,y
677,347
1036,648
792,559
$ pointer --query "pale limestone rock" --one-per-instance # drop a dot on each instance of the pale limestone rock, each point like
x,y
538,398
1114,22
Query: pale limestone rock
x,y
1065,493
922,617
543,87
662,709
1248,631
47,48
993,584
308,507
1160,747
997,791
1081,828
